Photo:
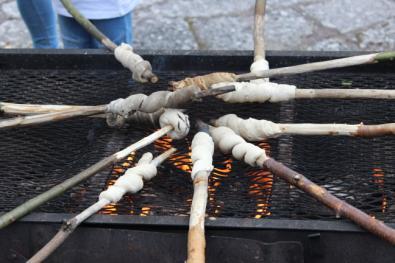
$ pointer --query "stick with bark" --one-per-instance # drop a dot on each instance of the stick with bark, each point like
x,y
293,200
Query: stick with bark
x,y
202,158
257,130
131,182
208,80
229,142
30,205
141,69
123,107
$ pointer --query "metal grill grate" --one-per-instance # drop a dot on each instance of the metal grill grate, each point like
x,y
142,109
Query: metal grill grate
x,y
360,171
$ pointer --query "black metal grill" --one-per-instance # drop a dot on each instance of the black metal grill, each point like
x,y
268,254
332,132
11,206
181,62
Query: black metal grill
x,y
360,171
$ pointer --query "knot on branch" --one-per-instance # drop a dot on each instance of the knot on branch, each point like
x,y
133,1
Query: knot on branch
x,y
132,180
141,69
178,120
257,92
229,142
202,153
205,81
250,129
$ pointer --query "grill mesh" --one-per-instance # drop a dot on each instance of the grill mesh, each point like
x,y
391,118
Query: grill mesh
x,y
360,171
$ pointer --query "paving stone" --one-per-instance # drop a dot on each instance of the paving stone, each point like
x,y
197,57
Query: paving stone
x,y
332,44
224,32
10,9
14,35
146,3
347,15
286,30
170,33
199,8
281,3
379,37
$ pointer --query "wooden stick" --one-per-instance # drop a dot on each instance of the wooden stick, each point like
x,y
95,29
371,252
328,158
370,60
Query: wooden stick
x,y
29,109
50,117
344,94
68,227
94,31
57,190
196,237
228,141
257,130
323,65
259,25
91,28
340,207
61,112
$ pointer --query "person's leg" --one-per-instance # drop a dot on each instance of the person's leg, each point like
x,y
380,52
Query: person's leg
x,y
40,19
118,29
73,34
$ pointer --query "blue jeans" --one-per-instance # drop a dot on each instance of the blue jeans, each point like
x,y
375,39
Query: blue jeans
x,y
118,29
40,19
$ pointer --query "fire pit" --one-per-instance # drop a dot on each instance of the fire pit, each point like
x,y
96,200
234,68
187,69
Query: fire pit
x,y
275,222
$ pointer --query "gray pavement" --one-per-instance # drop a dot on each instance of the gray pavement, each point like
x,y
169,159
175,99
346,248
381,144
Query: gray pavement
x,y
227,24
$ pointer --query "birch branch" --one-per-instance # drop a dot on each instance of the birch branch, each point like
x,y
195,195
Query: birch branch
x,y
229,142
130,182
202,158
141,69
257,130
30,205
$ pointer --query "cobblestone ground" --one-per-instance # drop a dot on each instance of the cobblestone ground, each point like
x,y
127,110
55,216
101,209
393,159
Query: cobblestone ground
x,y
227,24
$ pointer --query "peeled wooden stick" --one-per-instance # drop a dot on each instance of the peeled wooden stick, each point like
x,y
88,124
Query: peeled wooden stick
x,y
29,109
59,189
131,182
259,25
256,130
323,65
273,92
124,107
202,158
142,70
260,63
208,80
229,142
50,117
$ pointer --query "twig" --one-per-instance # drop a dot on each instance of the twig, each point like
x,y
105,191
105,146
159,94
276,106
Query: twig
x,y
340,207
57,190
50,117
147,73
323,65
259,25
344,94
274,92
202,157
113,194
256,130
125,107
229,142
29,109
